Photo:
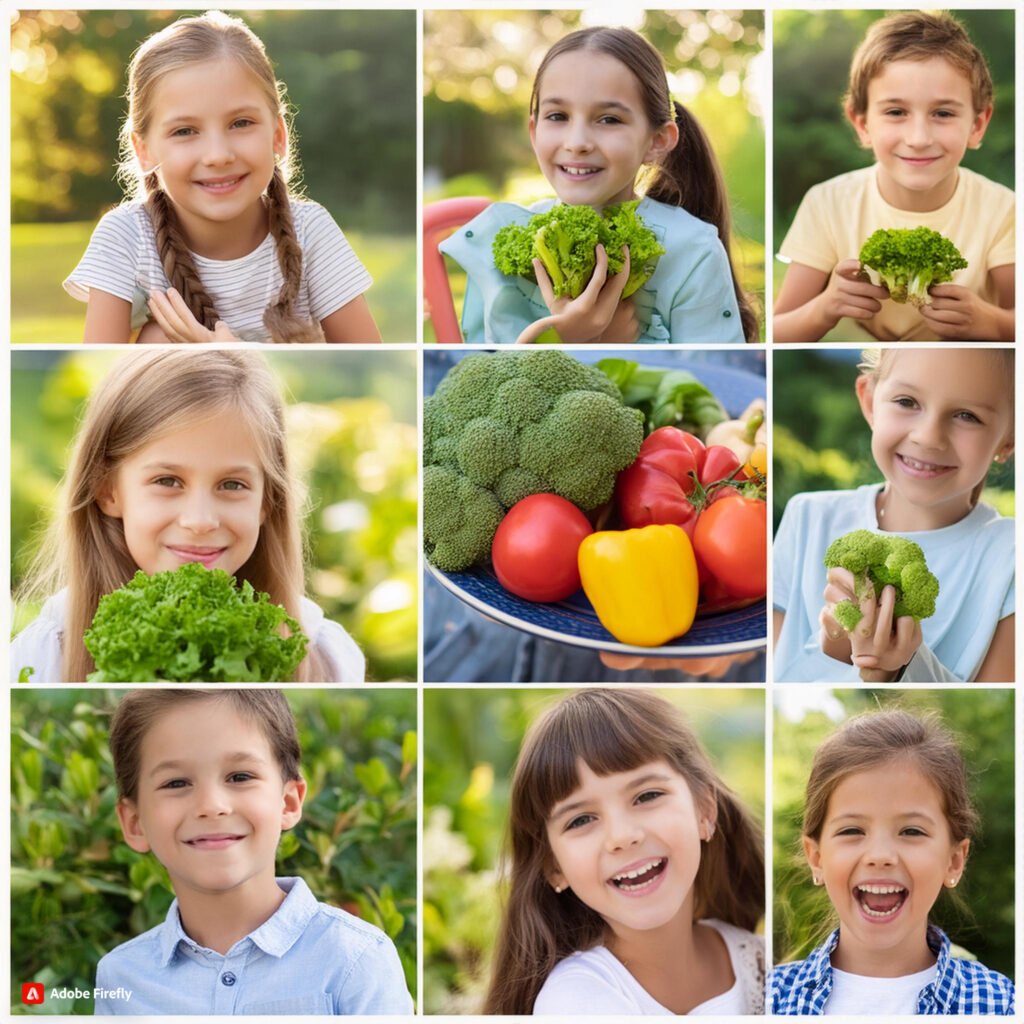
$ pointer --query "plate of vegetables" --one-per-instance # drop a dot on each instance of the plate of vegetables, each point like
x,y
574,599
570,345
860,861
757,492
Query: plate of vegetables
x,y
544,470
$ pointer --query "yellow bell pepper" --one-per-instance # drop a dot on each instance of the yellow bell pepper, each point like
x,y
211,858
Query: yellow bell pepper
x,y
642,583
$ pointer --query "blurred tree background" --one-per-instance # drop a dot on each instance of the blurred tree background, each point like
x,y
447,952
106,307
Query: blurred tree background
x,y
479,67
471,741
820,439
77,890
351,81
979,916
352,440
811,54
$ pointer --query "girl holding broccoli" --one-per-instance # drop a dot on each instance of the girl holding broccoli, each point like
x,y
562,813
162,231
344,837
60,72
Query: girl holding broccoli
x,y
602,123
213,246
938,419
181,458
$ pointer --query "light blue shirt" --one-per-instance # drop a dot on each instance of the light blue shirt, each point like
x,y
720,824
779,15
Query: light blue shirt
x,y
689,297
308,958
973,560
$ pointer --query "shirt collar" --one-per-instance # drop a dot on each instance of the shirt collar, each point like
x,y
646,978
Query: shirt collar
x,y
275,936
818,966
948,976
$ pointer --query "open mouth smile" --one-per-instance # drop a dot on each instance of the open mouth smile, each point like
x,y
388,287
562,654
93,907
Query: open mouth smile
x,y
579,172
640,878
880,902
915,467
220,186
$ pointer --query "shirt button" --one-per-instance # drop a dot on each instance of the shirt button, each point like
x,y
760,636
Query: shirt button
x,y
227,978
727,313
469,234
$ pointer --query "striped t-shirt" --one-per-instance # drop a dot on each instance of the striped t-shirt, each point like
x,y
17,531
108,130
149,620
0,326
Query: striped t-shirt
x,y
122,259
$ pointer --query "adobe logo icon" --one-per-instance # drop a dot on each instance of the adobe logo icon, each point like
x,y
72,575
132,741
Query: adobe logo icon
x,y
32,993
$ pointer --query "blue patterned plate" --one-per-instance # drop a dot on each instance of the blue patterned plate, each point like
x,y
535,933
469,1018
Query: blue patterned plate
x,y
573,621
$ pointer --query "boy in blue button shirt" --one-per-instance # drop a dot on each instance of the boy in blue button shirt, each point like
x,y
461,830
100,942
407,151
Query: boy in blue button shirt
x,y
207,781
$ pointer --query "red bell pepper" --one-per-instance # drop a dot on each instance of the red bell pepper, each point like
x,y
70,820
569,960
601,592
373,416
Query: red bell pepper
x,y
659,487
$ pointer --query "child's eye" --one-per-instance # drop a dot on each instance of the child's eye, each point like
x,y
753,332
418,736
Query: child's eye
x,y
609,119
905,402
167,481
174,784
945,114
851,830
242,122
967,416
183,132
241,777
579,821
894,112
555,115
913,831
648,795
234,485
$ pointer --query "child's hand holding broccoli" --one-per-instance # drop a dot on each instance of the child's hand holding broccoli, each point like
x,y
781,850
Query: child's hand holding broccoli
x,y
850,293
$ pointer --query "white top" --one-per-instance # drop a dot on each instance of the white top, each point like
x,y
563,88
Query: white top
x,y
973,560
39,644
836,218
594,982
122,259
857,994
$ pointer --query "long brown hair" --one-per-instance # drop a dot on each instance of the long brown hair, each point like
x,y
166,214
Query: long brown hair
x,y
212,36
689,176
610,731
147,394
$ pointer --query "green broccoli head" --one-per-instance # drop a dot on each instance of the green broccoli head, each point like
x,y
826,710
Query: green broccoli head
x,y
510,424
879,560
459,519
626,227
910,260
565,239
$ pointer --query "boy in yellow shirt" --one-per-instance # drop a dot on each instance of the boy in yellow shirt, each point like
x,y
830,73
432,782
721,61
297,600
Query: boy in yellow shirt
x,y
920,96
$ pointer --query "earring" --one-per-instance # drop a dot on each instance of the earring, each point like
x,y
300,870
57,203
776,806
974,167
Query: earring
x,y
816,878
952,882
559,889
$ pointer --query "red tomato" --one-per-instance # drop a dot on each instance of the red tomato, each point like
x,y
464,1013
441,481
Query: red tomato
x,y
731,543
534,549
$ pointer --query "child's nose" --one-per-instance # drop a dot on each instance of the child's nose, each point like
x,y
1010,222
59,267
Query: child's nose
x,y
577,138
918,131
212,801
218,150
199,514
928,432
881,850
623,832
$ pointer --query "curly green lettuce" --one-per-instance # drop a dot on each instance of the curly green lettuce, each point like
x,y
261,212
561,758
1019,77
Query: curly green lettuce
x,y
192,625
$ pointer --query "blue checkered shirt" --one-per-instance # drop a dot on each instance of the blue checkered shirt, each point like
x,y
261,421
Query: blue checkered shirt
x,y
960,986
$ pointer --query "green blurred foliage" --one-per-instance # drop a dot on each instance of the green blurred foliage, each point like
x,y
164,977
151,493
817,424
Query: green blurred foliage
x,y
471,741
351,82
820,439
479,67
77,890
811,54
980,915
352,440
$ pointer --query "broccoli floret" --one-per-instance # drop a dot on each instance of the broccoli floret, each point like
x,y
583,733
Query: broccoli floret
x,y
459,519
878,560
626,227
541,422
910,260
565,239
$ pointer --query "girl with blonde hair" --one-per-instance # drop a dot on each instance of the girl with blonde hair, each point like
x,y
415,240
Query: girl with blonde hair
x,y
212,246
181,457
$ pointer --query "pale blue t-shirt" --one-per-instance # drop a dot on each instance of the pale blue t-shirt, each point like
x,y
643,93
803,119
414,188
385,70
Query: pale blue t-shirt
x,y
309,958
973,560
689,297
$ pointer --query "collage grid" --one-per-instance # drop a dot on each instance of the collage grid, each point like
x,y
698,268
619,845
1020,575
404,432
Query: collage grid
x,y
302,473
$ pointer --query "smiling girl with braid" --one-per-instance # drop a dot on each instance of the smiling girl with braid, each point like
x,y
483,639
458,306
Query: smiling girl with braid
x,y
211,246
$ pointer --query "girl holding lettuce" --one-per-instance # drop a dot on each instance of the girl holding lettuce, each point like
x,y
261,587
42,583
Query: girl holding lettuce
x,y
181,458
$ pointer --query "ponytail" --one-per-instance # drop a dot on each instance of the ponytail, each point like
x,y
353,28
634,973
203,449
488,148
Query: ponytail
x,y
691,178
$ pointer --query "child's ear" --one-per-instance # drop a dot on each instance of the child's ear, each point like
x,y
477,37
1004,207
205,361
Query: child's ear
x,y
142,153
957,861
812,851
291,811
556,880
108,500
665,140
280,138
979,127
131,825
865,387
860,125
533,131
